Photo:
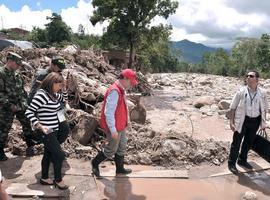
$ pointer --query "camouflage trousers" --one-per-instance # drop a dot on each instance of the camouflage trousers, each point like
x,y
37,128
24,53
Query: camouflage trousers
x,y
6,120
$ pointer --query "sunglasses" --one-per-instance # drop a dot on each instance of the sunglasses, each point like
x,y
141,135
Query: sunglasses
x,y
250,76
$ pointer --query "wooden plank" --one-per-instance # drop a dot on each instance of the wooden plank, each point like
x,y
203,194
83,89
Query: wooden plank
x,y
259,165
26,190
150,174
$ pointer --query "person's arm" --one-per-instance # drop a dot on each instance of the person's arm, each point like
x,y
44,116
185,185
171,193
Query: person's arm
x,y
3,94
110,108
233,106
3,193
37,102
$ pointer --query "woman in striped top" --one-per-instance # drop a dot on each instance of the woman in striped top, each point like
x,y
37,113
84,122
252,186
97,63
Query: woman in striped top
x,y
46,116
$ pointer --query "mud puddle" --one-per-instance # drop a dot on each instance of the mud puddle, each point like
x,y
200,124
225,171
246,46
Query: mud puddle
x,y
222,188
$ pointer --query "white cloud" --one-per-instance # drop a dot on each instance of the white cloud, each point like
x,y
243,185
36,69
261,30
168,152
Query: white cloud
x,y
80,15
73,16
216,22
25,18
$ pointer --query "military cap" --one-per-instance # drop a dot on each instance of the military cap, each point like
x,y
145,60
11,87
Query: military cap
x,y
59,61
15,57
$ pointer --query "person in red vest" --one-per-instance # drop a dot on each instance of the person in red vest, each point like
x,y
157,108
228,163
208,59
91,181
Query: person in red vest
x,y
114,121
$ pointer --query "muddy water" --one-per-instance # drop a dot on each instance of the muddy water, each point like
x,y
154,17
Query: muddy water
x,y
168,110
220,188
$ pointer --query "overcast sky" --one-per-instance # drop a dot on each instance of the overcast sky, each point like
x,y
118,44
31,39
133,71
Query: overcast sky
x,y
214,23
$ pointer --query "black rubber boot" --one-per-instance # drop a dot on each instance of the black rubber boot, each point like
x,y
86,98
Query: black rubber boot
x,y
96,161
119,163
3,156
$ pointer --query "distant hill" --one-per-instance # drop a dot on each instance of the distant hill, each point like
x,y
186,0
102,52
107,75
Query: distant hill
x,y
192,52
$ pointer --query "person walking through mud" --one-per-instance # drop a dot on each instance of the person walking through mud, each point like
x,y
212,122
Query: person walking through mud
x,y
57,65
45,115
248,111
13,99
114,121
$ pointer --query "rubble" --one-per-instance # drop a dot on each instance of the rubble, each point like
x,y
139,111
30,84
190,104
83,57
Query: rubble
x,y
188,98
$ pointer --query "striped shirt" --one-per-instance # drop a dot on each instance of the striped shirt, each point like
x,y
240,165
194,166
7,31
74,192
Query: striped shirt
x,y
43,109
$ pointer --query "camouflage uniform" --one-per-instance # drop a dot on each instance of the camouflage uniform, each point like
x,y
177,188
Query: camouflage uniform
x,y
12,94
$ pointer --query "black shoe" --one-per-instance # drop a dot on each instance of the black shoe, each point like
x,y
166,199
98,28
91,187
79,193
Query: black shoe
x,y
95,162
42,182
119,163
244,164
3,156
61,187
233,169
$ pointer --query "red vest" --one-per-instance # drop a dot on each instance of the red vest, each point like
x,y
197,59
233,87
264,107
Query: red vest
x,y
120,112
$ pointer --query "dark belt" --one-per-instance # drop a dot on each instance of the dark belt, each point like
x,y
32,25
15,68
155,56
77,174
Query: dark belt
x,y
253,119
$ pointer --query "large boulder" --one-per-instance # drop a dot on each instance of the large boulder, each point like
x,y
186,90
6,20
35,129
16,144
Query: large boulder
x,y
85,126
204,100
224,105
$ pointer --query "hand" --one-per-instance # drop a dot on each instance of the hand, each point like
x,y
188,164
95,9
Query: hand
x,y
114,135
262,128
232,126
44,129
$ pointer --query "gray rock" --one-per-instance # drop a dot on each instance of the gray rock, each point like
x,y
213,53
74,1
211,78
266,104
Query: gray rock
x,y
176,145
224,105
144,159
249,196
204,100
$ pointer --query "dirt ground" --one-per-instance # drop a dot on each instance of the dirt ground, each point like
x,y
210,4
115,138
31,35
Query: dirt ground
x,y
177,135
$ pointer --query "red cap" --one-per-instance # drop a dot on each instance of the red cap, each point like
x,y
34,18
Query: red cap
x,y
131,75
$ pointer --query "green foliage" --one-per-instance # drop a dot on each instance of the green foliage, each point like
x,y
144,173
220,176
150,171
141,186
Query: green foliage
x,y
39,36
86,41
129,20
57,30
155,51
263,52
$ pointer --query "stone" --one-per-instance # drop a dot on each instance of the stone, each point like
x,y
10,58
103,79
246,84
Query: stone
x,y
224,105
249,196
204,100
176,145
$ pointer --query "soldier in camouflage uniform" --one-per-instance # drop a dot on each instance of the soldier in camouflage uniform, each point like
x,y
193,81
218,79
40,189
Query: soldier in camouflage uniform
x,y
57,65
13,102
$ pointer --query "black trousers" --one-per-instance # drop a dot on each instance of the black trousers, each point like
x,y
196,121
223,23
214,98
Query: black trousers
x,y
249,129
53,152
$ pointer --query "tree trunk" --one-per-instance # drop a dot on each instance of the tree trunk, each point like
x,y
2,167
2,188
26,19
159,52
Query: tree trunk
x,y
132,52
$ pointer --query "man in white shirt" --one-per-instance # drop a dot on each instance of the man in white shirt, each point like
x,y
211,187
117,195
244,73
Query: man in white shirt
x,y
248,113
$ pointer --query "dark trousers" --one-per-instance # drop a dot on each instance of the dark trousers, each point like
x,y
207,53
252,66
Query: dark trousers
x,y
249,129
53,152
6,120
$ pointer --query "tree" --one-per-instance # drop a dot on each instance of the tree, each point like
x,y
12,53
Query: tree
x,y
244,55
129,20
263,52
39,36
81,30
57,30
155,50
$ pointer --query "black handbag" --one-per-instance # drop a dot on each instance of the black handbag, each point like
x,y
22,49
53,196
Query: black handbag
x,y
261,145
